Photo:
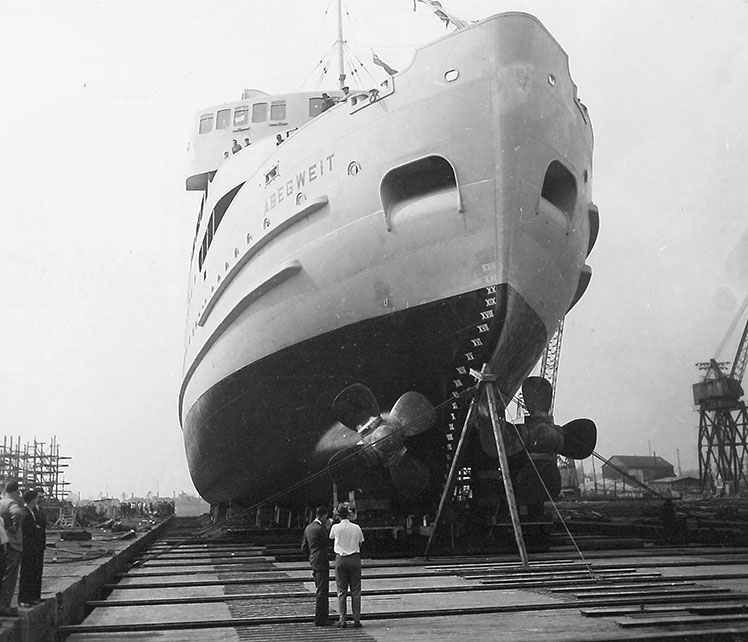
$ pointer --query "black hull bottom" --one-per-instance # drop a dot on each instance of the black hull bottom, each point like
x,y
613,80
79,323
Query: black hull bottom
x,y
252,436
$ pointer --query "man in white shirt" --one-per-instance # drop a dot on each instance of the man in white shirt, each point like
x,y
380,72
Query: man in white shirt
x,y
348,538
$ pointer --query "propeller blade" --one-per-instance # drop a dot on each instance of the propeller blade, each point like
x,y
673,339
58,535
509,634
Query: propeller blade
x,y
580,438
542,437
409,474
347,467
538,395
414,412
355,405
512,443
336,438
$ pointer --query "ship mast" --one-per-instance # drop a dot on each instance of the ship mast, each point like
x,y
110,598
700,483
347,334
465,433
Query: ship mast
x,y
340,43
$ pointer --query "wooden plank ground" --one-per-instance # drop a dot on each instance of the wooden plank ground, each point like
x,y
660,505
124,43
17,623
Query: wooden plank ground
x,y
530,613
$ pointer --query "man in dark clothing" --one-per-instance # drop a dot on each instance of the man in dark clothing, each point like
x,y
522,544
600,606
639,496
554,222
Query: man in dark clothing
x,y
34,527
3,544
327,102
315,546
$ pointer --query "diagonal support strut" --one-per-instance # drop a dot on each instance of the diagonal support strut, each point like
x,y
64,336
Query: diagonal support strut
x,y
486,383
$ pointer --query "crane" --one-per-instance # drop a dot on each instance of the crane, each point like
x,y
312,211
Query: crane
x,y
550,359
723,419
549,370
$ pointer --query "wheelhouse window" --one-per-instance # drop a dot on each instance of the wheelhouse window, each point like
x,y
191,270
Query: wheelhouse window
x,y
315,106
241,116
206,123
278,110
223,118
259,112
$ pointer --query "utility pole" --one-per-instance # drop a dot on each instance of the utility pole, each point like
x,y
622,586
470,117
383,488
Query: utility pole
x,y
594,474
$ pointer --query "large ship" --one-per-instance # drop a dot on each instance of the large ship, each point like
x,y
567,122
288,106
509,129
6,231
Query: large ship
x,y
398,237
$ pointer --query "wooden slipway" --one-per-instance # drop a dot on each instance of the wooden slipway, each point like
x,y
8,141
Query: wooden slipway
x,y
220,589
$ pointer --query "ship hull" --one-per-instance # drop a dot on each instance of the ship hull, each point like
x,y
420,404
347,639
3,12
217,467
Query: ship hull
x,y
253,436
397,243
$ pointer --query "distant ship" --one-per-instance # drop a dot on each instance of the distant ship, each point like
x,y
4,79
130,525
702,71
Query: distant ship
x,y
397,239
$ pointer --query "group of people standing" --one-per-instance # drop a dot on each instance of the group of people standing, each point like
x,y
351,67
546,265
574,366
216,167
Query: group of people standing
x,y
23,537
236,147
348,539
328,101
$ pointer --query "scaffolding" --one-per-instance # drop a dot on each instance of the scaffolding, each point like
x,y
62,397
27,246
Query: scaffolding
x,y
35,464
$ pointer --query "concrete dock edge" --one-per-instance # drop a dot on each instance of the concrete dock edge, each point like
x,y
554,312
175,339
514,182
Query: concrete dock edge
x,y
68,603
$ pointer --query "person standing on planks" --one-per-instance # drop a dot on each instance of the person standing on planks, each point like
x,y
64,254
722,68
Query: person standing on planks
x,y
315,545
348,539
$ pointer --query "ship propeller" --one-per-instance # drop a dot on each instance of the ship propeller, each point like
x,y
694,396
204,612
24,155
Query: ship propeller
x,y
540,439
540,434
365,435
575,439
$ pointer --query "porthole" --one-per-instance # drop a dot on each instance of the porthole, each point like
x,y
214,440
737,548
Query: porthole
x,y
354,167
300,198
551,80
451,75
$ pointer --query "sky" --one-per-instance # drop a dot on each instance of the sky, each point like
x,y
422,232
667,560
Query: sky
x,y
98,101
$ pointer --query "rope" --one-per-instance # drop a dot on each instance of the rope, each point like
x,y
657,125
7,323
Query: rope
x,y
548,494
216,528
320,63
622,472
619,470
356,61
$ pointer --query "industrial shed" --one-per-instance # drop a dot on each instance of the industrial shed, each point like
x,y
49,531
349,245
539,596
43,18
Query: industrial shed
x,y
643,468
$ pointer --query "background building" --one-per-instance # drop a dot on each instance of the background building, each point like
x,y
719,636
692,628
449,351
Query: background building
x,y
642,468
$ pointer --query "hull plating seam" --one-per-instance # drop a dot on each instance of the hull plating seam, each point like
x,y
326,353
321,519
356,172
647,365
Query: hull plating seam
x,y
269,235
285,272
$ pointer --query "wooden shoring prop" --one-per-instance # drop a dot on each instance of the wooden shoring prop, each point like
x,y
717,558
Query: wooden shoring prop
x,y
485,386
